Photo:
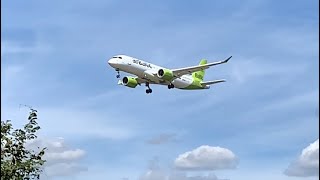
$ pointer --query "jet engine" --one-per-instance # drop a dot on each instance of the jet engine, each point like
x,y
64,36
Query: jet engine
x,y
129,81
165,74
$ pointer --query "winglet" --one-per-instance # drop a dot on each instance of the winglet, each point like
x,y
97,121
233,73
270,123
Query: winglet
x,y
227,59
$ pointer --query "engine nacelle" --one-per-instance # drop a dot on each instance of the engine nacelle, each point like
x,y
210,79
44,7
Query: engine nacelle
x,y
165,74
129,81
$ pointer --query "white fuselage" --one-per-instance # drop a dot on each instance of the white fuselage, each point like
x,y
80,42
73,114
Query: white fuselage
x,y
146,70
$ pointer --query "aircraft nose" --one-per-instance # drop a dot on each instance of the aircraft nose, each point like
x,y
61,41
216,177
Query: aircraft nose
x,y
112,62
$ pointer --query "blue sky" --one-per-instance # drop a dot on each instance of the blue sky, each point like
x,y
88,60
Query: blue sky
x,y
54,58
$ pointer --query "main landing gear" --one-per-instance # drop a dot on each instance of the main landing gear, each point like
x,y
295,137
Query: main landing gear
x,y
149,90
118,73
170,86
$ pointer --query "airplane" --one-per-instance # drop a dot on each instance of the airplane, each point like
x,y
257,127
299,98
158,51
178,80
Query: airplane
x,y
188,78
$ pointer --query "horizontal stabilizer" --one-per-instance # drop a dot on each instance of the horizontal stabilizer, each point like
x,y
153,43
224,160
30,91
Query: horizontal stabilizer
x,y
212,82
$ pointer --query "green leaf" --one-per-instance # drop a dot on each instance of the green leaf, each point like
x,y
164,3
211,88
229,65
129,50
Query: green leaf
x,y
17,162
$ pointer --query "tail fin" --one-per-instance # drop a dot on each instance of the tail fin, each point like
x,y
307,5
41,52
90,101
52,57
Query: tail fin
x,y
200,74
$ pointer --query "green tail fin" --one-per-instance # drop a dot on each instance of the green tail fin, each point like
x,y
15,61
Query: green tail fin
x,y
200,74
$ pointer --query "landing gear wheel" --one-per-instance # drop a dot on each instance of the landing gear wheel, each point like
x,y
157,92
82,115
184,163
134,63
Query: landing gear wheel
x,y
170,86
148,91
118,76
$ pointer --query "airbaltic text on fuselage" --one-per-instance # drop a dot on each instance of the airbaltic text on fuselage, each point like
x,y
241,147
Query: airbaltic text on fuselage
x,y
142,63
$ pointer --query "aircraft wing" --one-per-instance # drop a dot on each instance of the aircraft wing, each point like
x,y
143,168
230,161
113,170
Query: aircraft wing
x,y
188,70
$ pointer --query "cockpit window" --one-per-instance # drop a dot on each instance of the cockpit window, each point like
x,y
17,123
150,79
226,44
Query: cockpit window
x,y
117,57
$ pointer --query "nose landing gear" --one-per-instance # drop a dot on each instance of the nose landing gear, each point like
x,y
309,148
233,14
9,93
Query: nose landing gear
x,y
118,73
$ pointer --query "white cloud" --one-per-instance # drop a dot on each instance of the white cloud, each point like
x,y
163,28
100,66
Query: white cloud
x,y
183,176
64,156
307,164
161,175
156,173
60,160
206,158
